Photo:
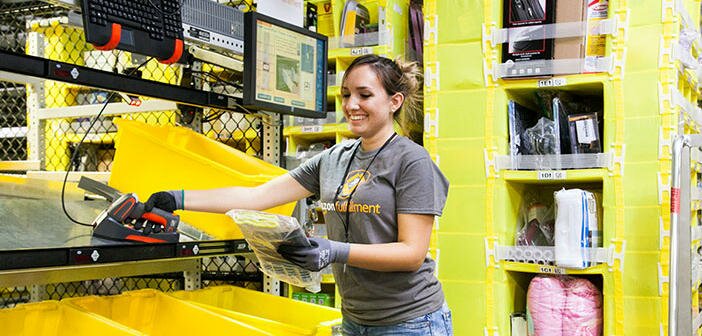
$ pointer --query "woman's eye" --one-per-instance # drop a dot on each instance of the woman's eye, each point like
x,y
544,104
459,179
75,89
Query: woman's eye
x,y
345,95
365,95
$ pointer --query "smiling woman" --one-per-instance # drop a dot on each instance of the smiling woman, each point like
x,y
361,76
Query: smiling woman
x,y
380,195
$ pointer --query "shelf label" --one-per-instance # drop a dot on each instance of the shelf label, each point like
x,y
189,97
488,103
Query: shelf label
x,y
551,82
551,175
361,51
311,129
552,270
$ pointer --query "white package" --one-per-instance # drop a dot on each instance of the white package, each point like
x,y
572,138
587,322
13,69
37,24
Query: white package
x,y
576,227
265,232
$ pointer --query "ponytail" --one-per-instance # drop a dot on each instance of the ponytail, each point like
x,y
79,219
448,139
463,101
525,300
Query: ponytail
x,y
410,116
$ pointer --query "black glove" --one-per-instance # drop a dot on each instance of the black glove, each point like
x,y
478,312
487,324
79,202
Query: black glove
x,y
316,257
169,201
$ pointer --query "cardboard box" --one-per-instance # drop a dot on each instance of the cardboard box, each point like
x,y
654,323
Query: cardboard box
x,y
591,47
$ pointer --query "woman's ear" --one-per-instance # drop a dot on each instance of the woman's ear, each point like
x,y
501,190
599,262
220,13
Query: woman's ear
x,y
396,101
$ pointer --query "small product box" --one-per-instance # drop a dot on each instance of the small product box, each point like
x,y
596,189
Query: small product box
x,y
591,46
529,16
584,133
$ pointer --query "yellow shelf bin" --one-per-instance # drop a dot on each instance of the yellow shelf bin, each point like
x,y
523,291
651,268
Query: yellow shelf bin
x,y
151,312
151,158
49,318
289,316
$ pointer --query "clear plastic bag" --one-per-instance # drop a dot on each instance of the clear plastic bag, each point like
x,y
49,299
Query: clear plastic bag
x,y
543,138
265,232
536,221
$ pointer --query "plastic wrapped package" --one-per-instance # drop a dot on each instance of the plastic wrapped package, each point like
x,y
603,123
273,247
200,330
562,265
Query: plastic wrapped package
x,y
582,313
265,232
545,298
563,306
577,227
535,227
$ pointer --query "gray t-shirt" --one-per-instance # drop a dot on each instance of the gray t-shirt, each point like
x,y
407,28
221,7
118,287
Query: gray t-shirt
x,y
402,179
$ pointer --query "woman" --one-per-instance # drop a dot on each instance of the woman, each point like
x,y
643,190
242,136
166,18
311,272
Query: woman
x,y
380,195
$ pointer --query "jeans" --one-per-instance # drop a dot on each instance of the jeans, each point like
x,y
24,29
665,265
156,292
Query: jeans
x,y
437,323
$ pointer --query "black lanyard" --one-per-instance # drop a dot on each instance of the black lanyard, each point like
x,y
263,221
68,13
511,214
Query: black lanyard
x,y
343,179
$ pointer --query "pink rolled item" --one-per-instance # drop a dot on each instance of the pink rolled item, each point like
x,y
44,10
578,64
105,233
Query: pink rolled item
x,y
545,299
582,312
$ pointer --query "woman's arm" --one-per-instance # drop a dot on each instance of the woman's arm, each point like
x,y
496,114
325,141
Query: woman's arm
x,y
278,191
406,255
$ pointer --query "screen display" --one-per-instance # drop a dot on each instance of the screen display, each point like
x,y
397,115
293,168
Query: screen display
x,y
287,69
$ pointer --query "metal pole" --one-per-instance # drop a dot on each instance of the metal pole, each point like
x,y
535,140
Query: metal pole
x,y
674,213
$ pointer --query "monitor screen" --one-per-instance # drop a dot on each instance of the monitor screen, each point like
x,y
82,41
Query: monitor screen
x,y
285,67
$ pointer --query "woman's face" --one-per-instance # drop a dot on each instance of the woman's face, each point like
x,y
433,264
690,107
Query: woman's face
x,y
366,105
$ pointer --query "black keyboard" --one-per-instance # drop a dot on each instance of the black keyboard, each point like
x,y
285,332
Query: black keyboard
x,y
147,27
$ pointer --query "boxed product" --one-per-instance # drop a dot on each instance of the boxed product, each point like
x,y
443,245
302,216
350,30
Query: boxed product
x,y
530,16
591,46
535,18
577,227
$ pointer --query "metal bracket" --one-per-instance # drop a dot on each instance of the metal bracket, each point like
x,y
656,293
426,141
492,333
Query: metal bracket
x,y
272,125
36,293
271,285
193,277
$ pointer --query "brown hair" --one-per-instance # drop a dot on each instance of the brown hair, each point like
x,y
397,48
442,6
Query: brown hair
x,y
399,77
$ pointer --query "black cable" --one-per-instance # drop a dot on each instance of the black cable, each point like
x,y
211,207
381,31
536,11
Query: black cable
x,y
75,151
174,12
219,79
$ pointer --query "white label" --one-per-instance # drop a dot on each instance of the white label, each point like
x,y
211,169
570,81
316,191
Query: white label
x,y
586,131
361,51
311,129
551,175
551,270
551,82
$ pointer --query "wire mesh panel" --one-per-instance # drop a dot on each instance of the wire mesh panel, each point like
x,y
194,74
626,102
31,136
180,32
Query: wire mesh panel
x,y
52,30
13,106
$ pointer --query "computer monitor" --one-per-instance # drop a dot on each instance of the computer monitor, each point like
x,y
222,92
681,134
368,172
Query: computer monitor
x,y
285,67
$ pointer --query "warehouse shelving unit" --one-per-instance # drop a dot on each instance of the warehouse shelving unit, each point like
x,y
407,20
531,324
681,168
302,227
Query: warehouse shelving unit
x,y
648,94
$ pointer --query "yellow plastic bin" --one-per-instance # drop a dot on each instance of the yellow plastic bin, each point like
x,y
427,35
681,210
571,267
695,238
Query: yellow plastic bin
x,y
294,317
151,158
154,313
49,318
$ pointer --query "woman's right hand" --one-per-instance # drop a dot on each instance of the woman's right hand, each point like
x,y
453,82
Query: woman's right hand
x,y
169,201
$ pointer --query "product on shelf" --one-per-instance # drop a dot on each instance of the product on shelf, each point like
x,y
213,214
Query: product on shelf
x,y
555,122
542,40
355,24
563,306
577,227
536,222
529,16
265,232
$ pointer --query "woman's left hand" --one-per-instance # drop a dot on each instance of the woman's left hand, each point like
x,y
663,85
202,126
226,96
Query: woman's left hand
x,y
321,253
